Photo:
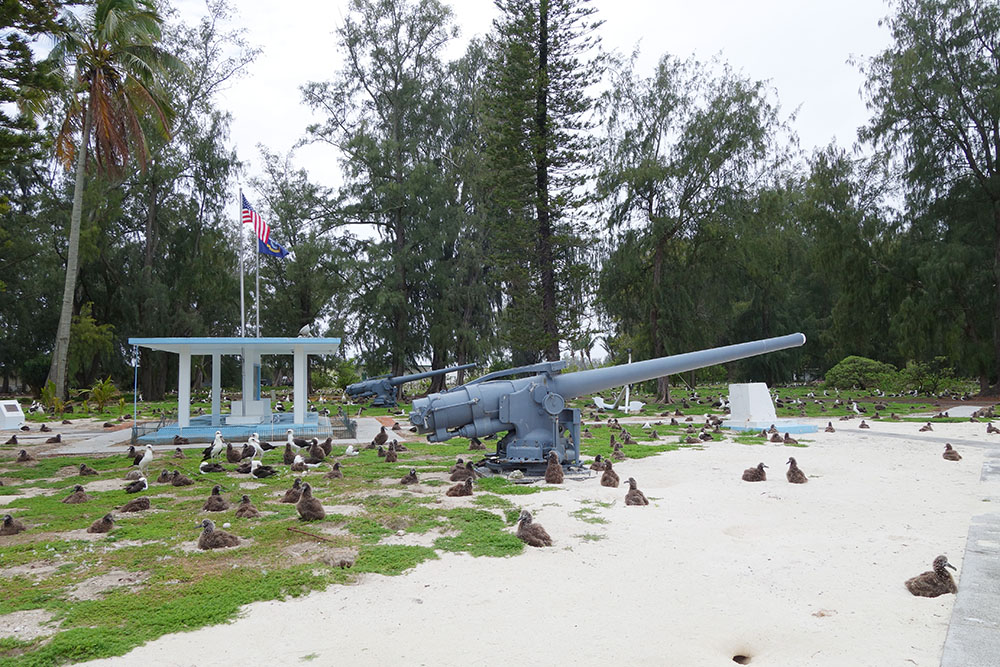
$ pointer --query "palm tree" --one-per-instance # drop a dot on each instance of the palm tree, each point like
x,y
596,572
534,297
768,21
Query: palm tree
x,y
116,67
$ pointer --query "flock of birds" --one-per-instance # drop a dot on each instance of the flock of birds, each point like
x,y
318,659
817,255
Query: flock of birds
x,y
301,455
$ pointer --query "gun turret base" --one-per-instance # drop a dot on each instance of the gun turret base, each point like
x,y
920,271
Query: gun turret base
x,y
533,470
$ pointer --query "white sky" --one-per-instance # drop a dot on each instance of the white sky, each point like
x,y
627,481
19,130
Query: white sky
x,y
801,47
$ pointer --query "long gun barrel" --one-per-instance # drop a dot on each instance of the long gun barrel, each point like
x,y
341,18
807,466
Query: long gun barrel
x,y
383,388
533,409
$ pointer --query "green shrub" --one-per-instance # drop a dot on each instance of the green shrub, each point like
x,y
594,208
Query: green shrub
x,y
933,377
862,373
346,374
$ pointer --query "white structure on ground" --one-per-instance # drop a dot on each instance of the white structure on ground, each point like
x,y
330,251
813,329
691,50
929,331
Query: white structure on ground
x,y
252,409
11,415
750,402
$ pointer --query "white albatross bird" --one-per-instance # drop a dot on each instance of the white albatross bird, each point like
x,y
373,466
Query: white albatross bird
x,y
146,459
300,443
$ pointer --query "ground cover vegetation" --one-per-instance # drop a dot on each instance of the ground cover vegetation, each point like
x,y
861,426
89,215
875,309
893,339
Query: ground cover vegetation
x,y
516,212
104,594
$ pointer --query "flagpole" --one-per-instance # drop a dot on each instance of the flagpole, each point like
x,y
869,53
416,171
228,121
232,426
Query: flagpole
x,y
243,310
258,288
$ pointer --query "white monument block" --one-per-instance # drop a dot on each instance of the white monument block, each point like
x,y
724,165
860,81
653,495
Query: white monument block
x,y
11,415
750,402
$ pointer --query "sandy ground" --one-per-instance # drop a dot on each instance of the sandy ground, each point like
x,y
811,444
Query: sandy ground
x,y
714,568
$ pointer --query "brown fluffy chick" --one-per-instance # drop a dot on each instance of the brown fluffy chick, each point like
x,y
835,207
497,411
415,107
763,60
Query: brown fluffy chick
x,y
634,495
390,455
950,454
755,474
462,489
794,474
410,477
136,505
179,453
598,463
293,494
335,473
288,456
610,477
86,470
102,525
24,457
180,479
459,465
531,533
463,474
215,502
11,526
215,539
934,583
553,471
310,509
78,496
246,510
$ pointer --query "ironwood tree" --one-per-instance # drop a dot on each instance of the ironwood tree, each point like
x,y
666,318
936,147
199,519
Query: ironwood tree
x,y
933,94
544,59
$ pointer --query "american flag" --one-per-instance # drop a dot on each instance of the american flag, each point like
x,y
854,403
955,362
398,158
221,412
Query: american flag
x,y
249,215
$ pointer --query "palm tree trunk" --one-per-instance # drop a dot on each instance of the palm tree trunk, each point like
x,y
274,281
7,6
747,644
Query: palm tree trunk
x,y
60,354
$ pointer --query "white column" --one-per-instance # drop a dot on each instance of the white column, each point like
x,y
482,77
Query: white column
x,y
247,381
184,389
216,389
300,384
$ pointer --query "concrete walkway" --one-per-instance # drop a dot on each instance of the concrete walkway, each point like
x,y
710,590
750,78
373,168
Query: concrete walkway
x,y
974,631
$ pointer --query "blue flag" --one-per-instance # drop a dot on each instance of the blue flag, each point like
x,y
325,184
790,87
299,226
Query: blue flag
x,y
271,248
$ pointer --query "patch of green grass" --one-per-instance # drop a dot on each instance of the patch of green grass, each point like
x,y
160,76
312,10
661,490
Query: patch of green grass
x,y
505,487
391,559
588,515
481,533
489,500
591,537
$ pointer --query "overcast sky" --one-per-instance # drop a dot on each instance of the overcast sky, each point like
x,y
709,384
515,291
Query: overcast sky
x,y
801,47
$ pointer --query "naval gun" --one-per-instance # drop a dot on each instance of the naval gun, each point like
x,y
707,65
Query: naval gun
x,y
383,387
533,409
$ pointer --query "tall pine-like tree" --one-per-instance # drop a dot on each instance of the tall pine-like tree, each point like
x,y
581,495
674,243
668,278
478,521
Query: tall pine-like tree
x,y
537,143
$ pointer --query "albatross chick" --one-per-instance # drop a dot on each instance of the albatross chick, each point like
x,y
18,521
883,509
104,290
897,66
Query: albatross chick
x,y
634,495
78,496
755,474
463,489
553,471
531,533
293,494
246,510
794,475
934,583
310,509
950,454
610,477
215,539
215,502
136,505
102,525
11,526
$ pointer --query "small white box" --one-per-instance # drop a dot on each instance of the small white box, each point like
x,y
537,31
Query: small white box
x,y
11,415
750,402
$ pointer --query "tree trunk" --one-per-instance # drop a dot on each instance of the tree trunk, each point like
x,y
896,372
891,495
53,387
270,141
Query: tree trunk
x,y
437,361
550,321
60,353
662,383
996,287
